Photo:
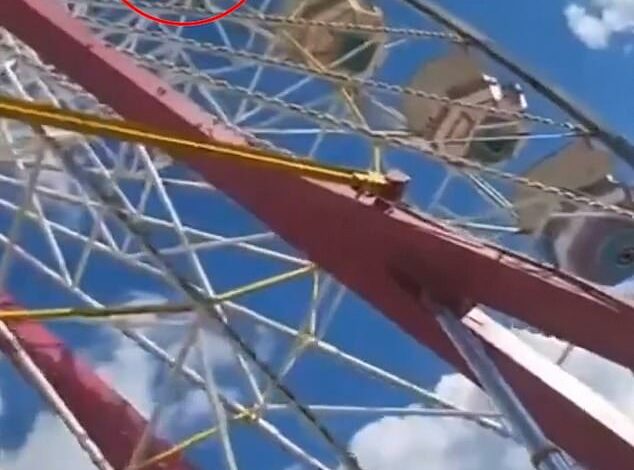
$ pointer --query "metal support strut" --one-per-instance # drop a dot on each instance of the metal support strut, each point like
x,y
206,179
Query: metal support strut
x,y
544,455
389,187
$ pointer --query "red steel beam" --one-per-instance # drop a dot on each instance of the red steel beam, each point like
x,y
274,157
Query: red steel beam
x,y
386,257
110,421
535,378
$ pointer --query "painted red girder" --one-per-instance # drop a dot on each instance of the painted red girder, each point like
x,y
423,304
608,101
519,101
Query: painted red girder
x,y
387,258
551,394
110,421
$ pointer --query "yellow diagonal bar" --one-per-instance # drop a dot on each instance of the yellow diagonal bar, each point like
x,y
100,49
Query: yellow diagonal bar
x,y
127,310
183,445
46,115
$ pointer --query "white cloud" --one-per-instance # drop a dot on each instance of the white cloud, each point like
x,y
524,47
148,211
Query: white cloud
x,y
406,443
410,442
624,290
295,466
133,373
169,330
55,178
264,346
597,23
28,149
612,381
49,446
413,442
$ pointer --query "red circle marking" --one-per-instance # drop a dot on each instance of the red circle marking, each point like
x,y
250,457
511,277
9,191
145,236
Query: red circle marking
x,y
129,3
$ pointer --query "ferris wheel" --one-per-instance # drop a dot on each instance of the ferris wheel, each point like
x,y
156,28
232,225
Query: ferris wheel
x,y
258,244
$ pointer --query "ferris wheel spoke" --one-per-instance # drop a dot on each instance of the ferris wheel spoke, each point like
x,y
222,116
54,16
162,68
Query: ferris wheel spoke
x,y
239,115
194,260
32,201
178,282
284,441
53,399
492,194
259,70
139,451
394,411
373,370
197,380
212,241
262,107
219,415
327,74
302,339
332,351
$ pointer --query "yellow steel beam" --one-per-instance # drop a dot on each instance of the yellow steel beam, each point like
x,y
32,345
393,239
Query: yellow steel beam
x,y
110,313
84,123
189,442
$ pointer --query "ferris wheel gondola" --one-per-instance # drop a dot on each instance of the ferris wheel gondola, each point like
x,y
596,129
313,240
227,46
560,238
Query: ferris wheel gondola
x,y
594,245
355,52
473,132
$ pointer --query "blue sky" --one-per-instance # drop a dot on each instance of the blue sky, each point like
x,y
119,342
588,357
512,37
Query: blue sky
x,y
537,34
